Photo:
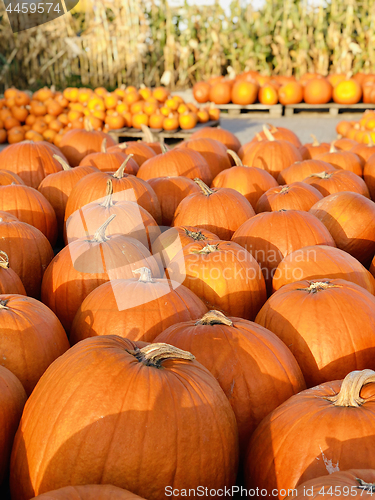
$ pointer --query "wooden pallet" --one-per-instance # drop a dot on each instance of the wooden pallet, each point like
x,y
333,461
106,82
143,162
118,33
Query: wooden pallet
x,y
274,111
160,134
332,108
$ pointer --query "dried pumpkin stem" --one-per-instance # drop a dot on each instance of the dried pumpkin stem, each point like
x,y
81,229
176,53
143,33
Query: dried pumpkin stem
x,y
4,260
88,125
149,137
108,195
196,235
207,249
284,189
3,304
214,318
370,487
272,128
370,141
62,162
119,174
332,149
103,148
236,158
349,394
318,286
155,354
315,142
100,236
145,275
259,137
268,134
205,189
122,145
321,175
163,148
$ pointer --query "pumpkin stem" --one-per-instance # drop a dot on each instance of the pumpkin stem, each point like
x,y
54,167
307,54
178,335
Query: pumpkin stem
x,y
149,137
259,137
108,195
207,249
145,274
318,286
4,260
100,236
88,125
284,189
119,174
155,354
370,141
321,175
163,148
3,304
62,162
205,189
196,235
349,394
332,148
236,158
214,318
103,148
315,142
272,128
370,487
268,134
122,145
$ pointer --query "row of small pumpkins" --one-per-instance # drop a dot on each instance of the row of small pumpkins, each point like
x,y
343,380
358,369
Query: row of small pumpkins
x,y
239,338
47,114
362,130
251,87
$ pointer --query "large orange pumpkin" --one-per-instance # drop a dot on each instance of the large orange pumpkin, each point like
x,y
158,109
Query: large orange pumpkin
x,y
89,492
364,151
126,186
116,440
316,148
123,308
268,95
184,162
88,262
220,92
170,242
220,210
350,218
337,181
32,161
251,182
31,338
317,91
271,236
291,93
223,274
131,219
109,161
272,155
28,250
346,484
12,401
299,170
229,140
244,92
278,133
78,143
213,151
201,92
141,151
347,92
10,282
170,192
345,160
264,375
299,314
314,433
295,196
322,262
30,206
57,187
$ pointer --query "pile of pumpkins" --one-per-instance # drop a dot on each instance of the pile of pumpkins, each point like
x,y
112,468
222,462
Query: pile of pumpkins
x,y
251,87
187,321
47,114
362,130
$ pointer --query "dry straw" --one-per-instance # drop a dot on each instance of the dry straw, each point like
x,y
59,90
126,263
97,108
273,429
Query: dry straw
x,y
114,42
